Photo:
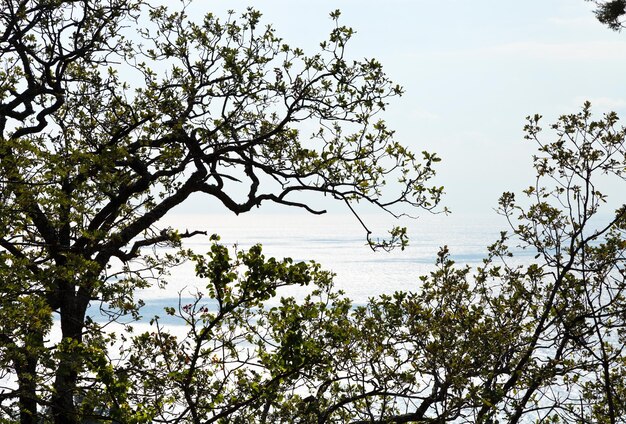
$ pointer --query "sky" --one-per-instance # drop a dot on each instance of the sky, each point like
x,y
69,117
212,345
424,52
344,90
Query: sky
x,y
472,71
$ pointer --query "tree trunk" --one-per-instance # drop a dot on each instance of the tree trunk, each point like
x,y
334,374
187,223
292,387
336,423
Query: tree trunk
x,y
73,307
27,398
26,361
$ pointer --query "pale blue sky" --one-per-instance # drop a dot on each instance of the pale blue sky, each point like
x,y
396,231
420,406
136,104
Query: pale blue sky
x,y
472,71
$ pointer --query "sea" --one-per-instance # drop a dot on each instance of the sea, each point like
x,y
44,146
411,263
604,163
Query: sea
x,y
338,243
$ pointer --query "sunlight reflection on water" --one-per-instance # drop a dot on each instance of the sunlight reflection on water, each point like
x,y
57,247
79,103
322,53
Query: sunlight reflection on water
x,y
338,243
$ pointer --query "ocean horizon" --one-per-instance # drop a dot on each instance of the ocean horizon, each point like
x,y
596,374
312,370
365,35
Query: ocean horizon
x,y
337,242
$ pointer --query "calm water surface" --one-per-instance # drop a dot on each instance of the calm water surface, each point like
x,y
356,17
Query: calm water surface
x,y
337,242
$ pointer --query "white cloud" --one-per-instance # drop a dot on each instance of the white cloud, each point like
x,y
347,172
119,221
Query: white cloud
x,y
590,50
577,51
587,21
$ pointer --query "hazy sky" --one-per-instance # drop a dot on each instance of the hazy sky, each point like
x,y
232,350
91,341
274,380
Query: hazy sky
x,y
472,71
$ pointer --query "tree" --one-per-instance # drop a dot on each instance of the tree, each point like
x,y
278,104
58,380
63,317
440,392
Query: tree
x,y
113,112
611,13
541,341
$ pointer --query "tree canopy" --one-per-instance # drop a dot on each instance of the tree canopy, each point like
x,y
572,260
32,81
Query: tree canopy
x,y
611,13
536,340
113,112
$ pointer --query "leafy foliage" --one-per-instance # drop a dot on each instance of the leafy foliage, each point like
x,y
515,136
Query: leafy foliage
x,y
112,113
611,13
102,134
541,340
502,343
